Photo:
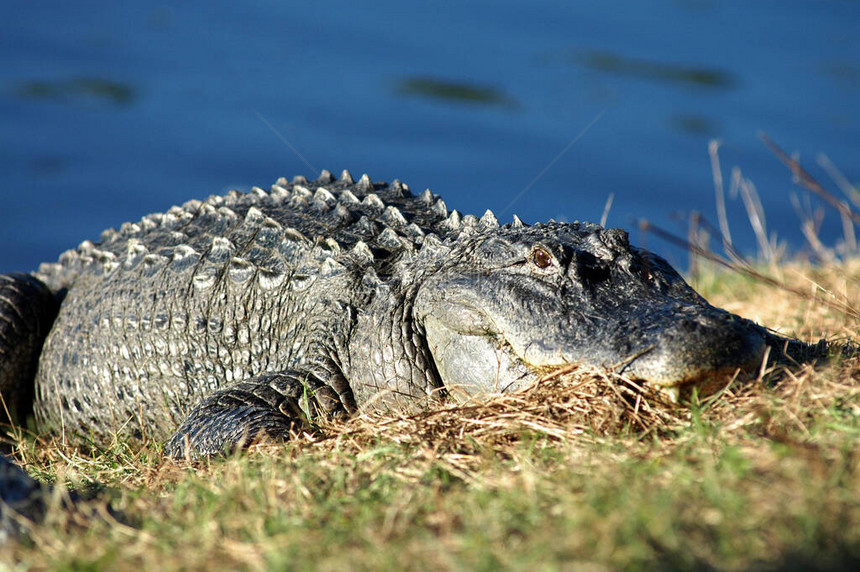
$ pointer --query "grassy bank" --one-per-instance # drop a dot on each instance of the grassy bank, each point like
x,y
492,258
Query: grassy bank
x,y
582,470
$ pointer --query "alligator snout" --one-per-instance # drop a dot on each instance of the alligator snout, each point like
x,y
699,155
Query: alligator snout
x,y
696,350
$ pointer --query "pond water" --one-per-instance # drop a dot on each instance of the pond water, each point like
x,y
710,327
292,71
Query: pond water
x,y
544,109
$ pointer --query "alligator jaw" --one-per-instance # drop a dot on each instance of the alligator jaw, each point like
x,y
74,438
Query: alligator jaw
x,y
473,364
727,347
496,311
703,386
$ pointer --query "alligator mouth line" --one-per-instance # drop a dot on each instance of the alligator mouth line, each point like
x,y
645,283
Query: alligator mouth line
x,y
671,391
706,384
623,364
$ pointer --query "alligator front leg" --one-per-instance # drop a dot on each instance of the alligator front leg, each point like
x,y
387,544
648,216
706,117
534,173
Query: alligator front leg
x,y
271,406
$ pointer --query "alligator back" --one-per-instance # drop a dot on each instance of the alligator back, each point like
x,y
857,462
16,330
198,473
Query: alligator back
x,y
164,311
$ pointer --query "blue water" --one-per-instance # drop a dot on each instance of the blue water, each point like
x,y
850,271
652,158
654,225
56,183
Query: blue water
x,y
110,111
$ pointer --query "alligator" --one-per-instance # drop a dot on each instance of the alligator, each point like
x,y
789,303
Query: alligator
x,y
250,315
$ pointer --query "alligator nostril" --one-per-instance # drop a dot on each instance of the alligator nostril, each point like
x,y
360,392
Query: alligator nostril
x,y
689,326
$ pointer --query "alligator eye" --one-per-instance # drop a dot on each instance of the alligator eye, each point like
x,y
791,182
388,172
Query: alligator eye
x,y
541,257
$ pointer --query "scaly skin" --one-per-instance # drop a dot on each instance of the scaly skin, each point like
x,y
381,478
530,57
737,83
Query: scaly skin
x,y
251,314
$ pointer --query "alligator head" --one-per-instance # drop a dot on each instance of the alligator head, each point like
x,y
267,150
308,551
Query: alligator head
x,y
509,301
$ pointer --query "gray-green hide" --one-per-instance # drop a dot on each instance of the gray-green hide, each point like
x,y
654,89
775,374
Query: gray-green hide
x,y
253,313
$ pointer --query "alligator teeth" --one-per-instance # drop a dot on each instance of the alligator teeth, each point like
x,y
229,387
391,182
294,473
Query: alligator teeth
x,y
346,177
364,184
673,392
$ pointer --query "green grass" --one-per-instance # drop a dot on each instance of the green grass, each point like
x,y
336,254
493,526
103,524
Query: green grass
x,y
571,474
